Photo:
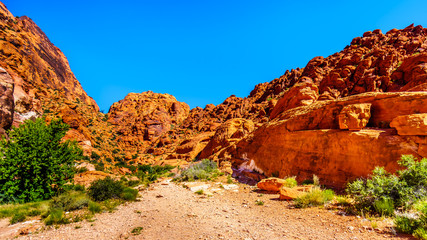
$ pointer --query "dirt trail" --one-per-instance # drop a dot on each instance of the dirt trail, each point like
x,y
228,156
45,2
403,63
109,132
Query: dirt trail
x,y
169,211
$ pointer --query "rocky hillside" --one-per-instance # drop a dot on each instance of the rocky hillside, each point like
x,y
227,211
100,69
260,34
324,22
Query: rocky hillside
x,y
337,117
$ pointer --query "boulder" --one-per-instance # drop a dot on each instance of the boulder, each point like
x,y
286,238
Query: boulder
x,y
295,192
271,184
413,124
355,116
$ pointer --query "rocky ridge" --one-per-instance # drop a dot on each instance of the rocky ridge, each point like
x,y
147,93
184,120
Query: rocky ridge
x,y
316,120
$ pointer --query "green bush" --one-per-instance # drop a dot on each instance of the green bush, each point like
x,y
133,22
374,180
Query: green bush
x,y
104,189
316,197
34,162
94,207
384,206
201,170
290,182
129,194
79,188
69,201
401,190
56,216
17,217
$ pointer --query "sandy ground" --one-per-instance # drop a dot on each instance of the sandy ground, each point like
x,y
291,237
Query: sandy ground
x,y
170,211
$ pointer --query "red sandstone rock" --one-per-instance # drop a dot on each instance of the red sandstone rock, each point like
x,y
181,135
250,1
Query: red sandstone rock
x,y
295,192
355,116
271,184
6,101
414,124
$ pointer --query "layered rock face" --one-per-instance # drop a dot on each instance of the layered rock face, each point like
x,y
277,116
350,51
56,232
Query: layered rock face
x,y
36,79
140,119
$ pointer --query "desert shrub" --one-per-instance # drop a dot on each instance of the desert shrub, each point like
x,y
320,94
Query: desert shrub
x,y
104,189
316,197
290,182
55,216
94,207
34,162
148,173
415,222
401,190
69,201
201,170
17,217
79,188
384,206
129,194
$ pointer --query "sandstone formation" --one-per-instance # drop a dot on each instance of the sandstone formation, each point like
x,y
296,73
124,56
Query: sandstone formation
x,y
271,184
355,116
414,124
309,141
142,118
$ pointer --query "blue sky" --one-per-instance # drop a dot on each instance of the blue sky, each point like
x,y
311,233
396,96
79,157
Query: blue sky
x,y
202,51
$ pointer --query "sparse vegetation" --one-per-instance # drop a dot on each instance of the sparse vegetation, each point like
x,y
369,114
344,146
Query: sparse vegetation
x,y
316,197
137,230
290,182
203,170
259,202
199,192
104,189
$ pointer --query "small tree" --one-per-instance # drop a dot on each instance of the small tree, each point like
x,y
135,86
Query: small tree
x,y
34,162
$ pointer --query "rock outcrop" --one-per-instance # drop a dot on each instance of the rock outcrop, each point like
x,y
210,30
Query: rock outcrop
x,y
6,101
139,119
307,140
414,124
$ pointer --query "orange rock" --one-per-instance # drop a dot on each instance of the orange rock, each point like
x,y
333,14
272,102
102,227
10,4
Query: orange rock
x,y
301,94
271,184
355,116
226,134
414,124
335,156
295,192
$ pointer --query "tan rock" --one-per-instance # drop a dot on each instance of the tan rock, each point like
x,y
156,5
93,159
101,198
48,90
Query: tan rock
x,y
271,184
295,192
355,116
414,124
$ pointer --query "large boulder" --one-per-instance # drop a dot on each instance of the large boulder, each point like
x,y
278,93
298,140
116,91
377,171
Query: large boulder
x,y
413,124
355,116
271,184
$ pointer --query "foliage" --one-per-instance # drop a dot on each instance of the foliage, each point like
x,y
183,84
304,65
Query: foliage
x,y
104,189
70,201
17,217
148,173
290,182
383,191
316,197
204,170
129,194
137,230
56,216
34,163
94,207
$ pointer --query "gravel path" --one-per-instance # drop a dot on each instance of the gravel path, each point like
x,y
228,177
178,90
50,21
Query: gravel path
x,y
169,211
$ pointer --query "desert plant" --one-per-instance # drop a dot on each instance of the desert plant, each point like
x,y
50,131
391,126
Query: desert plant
x,y
290,182
401,190
94,207
129,194
104,189
17,217
56,216
34,162
316,197
204,169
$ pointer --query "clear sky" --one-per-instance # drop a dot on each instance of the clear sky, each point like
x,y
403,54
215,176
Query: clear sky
x,y
202,51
